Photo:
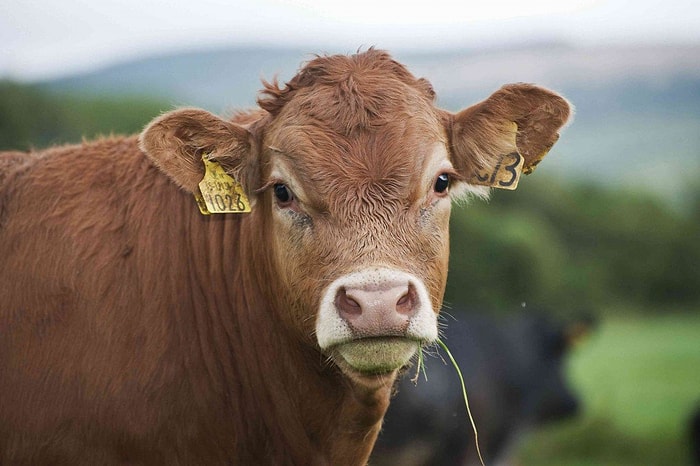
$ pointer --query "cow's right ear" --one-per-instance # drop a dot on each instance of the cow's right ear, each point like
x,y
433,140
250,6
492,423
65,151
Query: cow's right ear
x,y
176,141
495,140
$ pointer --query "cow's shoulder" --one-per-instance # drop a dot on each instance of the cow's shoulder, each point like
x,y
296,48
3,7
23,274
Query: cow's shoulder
x,y
13,162
62,181
66,159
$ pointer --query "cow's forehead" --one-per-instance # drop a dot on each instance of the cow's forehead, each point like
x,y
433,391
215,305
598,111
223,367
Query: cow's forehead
x,y
347,109
343,126
351,89
395,158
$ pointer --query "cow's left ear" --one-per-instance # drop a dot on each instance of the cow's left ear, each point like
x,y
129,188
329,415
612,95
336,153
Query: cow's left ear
x,y
176,141
493,141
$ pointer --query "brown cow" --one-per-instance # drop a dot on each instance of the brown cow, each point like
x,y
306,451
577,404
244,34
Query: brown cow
x,y
134,329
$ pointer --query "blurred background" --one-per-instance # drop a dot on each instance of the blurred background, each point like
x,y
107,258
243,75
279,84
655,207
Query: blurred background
x,y
606,232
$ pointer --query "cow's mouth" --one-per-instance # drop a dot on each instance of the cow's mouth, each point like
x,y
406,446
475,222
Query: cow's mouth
x,y
377,355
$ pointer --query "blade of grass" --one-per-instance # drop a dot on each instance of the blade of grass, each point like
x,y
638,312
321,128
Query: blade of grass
x,y
466,401
421,366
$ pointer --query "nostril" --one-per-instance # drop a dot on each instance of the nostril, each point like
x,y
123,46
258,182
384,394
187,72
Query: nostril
x,y
406,303
346,304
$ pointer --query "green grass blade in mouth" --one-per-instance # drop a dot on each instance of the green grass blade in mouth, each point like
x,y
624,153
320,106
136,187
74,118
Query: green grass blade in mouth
x,y
466,401
421,367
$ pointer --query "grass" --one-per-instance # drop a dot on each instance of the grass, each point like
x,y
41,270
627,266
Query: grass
x,y
464,394
639,380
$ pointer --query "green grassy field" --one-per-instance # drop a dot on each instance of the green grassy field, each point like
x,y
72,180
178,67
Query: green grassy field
x,y
639,379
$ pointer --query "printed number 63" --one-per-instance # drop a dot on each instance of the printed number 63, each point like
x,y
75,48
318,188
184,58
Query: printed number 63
x,y
511,168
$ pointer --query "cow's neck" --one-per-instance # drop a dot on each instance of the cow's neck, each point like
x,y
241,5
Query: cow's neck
x,y
320,417
303,410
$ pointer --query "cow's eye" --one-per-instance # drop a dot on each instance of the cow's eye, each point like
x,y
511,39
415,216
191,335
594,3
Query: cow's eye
x,y
442,183
283,194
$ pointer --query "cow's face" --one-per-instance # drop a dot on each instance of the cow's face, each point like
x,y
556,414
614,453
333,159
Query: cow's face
x,y
354,170
360,212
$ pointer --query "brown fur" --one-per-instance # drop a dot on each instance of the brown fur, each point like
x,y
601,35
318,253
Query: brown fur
x,y
135,330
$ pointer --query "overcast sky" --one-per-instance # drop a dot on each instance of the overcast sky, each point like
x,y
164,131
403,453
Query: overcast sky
x,y
47,38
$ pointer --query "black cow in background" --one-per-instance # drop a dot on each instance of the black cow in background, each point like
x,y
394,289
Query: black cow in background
x,y
513,370
694,428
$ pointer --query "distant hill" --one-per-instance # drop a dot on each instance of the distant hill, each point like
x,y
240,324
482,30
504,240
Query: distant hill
x,y
219,78
638,107
215,79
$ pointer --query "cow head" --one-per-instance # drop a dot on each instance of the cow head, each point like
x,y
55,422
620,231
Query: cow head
x,y
352,169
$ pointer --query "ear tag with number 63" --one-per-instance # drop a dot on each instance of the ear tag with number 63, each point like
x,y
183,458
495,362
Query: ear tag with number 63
x,y
509,167
219,192
505,174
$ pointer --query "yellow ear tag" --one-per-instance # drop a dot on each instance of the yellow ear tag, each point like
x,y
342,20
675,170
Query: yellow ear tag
x,y
220,193
505,174
201,204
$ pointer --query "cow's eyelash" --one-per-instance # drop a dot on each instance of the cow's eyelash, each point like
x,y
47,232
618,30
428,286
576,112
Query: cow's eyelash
x,y
265,187
269,184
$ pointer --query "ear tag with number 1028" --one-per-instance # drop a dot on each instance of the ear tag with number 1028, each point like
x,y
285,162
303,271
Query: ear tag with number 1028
x,y
219,192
